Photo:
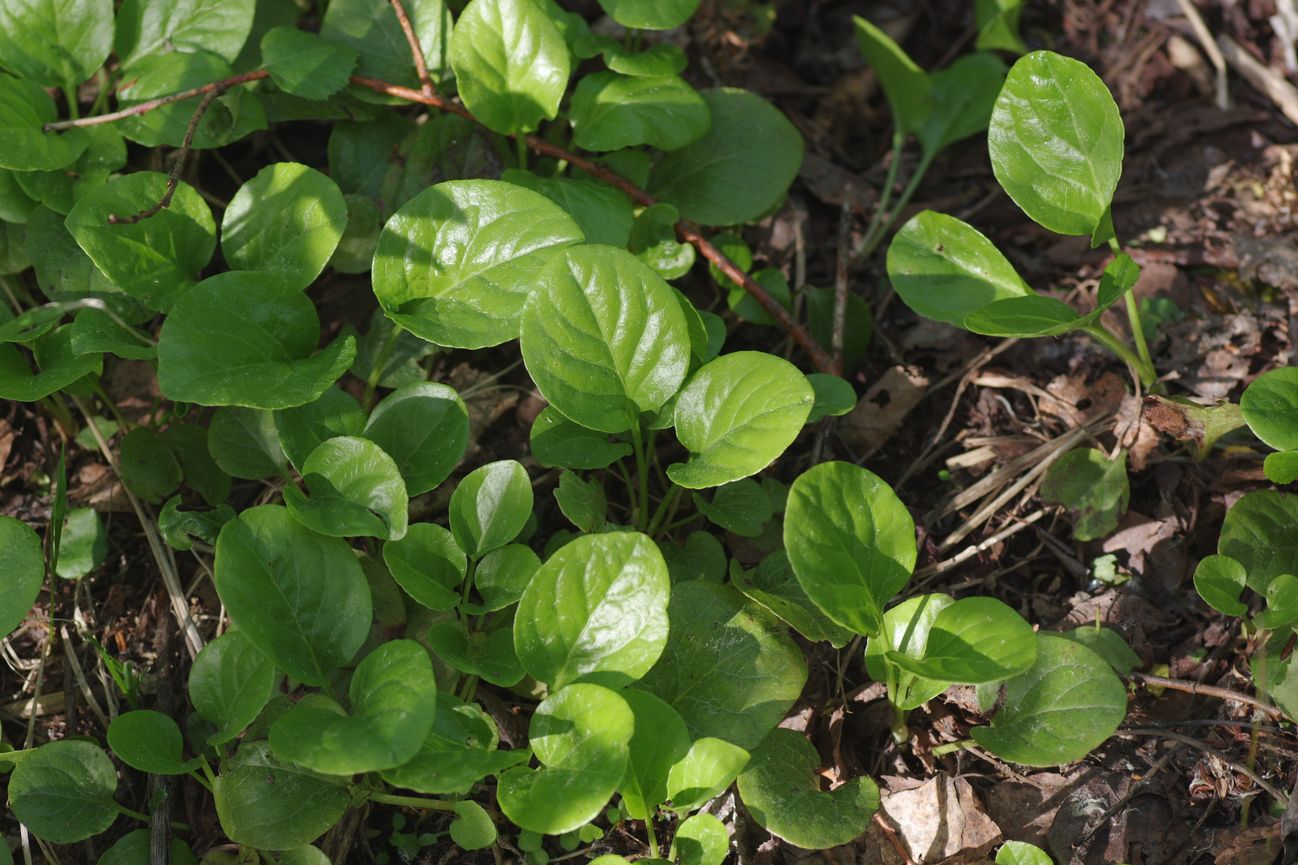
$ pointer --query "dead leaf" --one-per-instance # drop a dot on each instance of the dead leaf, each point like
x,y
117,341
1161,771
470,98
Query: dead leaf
x,y
1025,811
881,411
6,442
1135,433
1257,845
941,819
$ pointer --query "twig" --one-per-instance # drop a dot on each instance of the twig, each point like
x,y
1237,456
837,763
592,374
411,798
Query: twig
x,y
421,65
1270,790
1190,687
1274,85
891,835
843,262
153,104
1209,47
173,177
1083,842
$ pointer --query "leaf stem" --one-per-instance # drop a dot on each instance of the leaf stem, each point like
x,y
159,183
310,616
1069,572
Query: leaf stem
x,y
641,515
144,818
1137,328
376,372
653,838
412,802
885,195
870,244
665,507
1145,372
70,95
952,747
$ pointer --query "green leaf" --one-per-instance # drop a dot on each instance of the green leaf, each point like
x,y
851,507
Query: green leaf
x,y
582,501
998,25
133,849
1059,710
972,641
742,507
60,190
612,111
428,564
304,64
1056,142
353,489
773,585
1021,853
267,803
179,528
511,64
1258,532
1281,603
355,252
737,414
657,60
157,259
299,596
781,789
650,14
151,742
1093,487
702,840
946,270
603,213
287,220
489,656
501,577
57,364
148,27
1109,645
304,428
372,29
148,467
1281,467
905,85
851,543
653,241
726,670
834,396
24,145
455,263
95,331
702,558
596,610
393,697
245,338
907,626
424,427
13,248
245,443
962,98
84,545
1270,407
490,506
23,565
604,338
661,741
558,442
739,170
580,734
55,43
63,791
458,751
707,769
230,683
230,117
859,326
472,828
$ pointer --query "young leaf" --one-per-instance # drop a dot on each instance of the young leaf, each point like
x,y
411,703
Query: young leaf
x,y
245,443
455,263
155,260
708,768
581,501
511,64
659,59
246,338
653,241
472,828
604,338
304,428
84,545
1281,467
1021,853
1056,142
1093,487
490,506
299,596
1066,704
773,585
1281,603
501,577
393,697
55,44
150,27
907,626
23,565
739,170
304,64
24,145
834,396
151,742
851,543
726,670
972,641
661,741
458,751
1270,407
702,840
489,656
372,29
558,442
736,415
998,25
428,564
781,789
354,489
270,804
962,98
742,507
596,610
581,735
424,427
650,14
57,364
287,220
905,85
611,111
63,791
1258,533
230,683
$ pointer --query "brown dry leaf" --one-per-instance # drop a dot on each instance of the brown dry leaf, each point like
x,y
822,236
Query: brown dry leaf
x,y
835,185
1141,538
881,411
1066,392
1135,433
6,442
1257,845
1025,811
97,486
940,820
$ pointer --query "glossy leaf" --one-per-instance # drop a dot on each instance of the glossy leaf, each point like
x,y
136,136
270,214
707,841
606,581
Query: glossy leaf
x,y
1270,407
150,742
306,65
905,85
650,14
1093,487
287,220
971,641
781,789
834,396
230,683
558,442
147,27
582,501
851,543
23,564
736,415
603,213
708,768
270,804
502,575
906,627
372,29
490,506
299,596
604,338
612,111
661,58
1258,533
653,241
249,339
661,740
458,751
55,43
304,428
25,108
353,489
63,791
455,263
1056,142
596,610
424,427
428,564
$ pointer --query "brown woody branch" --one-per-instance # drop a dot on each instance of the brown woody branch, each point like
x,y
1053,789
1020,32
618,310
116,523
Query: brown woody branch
x,y
152,104
421,65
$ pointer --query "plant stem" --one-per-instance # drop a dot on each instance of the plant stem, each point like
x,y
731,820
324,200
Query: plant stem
x,y
665,506
1144,371
412,802
641,515
70,95
376,372
144,818
870,244
885,195
1137,328
952,747
653,839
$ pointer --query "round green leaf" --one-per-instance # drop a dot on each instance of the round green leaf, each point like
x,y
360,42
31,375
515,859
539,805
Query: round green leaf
x,y
736,415
55,44
245,443
133,849
603,213
1281,467
1055,141
781,789
287,220
149,468
501,577
490,506
1021,853
147,27
611,111
726,669
1093,487
393,697
300,597
230,683
907,626
25,108
661,741
354,489
1219,580
1270,407
1059,710
82,548
244,338
580,734
149,741
834,396
267,803
558,442
23,564
455,263
304,428
372,29
1109,645
597,609
650,14
653,241
63,791
1258,532
155,260
424,427
458,751
851,543
604,338
702,840
709,767
304,64
739,170
472,828
428,564
972,641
